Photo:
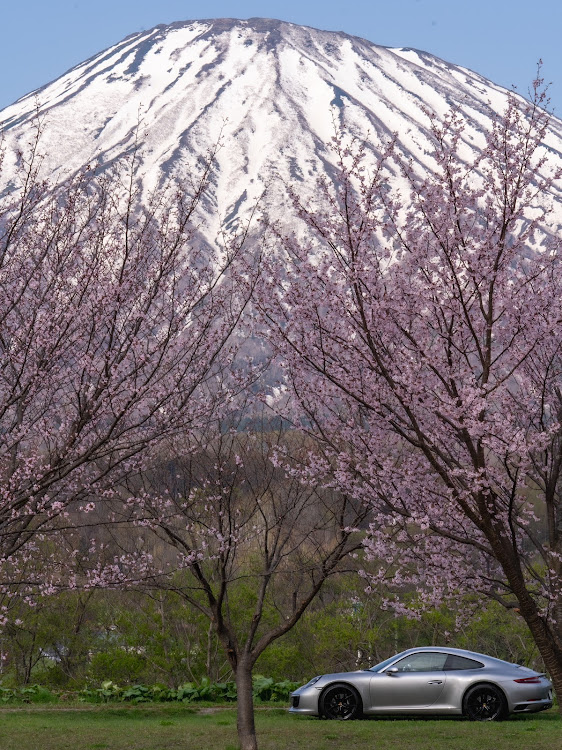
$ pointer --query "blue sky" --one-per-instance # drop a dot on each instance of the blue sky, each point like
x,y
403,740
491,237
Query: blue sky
x,y
501,39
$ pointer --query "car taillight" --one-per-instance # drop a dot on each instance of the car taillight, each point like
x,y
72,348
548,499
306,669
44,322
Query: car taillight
x,y
529,680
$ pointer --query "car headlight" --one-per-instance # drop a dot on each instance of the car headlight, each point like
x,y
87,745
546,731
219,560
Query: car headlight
x,y
313,681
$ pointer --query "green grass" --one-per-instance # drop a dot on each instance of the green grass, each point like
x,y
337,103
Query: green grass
x,y
157,727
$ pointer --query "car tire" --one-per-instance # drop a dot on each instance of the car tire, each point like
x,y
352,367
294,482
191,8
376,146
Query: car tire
x,y
341,702
484,703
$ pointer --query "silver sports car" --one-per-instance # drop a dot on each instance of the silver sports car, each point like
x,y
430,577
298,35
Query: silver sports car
x,y
427,680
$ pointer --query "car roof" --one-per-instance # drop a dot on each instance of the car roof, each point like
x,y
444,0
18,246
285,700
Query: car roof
x,y
460,652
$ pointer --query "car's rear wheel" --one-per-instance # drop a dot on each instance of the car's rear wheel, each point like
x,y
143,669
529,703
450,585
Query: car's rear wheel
x,y
340,702
484,703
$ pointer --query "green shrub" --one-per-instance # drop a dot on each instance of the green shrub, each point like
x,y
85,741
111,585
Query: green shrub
x,y
264,689
28,694
117,665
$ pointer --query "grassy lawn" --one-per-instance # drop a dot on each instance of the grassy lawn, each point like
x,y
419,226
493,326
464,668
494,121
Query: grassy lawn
x,y
157,727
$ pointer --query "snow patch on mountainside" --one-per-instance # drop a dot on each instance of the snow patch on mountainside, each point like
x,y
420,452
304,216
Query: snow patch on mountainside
x,y
270,91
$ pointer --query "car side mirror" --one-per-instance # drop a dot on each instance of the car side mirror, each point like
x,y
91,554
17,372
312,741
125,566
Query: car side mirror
x,y
393,671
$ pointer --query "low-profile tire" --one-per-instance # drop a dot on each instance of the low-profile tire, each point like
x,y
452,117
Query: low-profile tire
x,y
484,703
341,702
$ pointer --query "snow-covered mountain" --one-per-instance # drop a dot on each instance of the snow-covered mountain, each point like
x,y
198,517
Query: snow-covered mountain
x,y
269,90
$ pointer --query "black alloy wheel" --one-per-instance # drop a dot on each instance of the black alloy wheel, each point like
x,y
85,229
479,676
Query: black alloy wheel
x,y
484,703
340,702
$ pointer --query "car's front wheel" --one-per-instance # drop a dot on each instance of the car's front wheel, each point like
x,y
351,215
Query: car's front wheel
x,y
484,703
341,702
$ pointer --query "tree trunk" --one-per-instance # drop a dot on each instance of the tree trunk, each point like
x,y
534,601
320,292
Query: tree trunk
x,y
544,639
546,644
245,706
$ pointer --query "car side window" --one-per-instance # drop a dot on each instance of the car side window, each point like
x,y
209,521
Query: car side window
x,y
455,662
422,662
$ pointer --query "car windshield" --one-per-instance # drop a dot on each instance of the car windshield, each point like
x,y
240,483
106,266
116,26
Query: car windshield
x,y
386,662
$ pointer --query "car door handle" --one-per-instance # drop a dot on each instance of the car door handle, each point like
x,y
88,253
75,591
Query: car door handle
x,y
435,682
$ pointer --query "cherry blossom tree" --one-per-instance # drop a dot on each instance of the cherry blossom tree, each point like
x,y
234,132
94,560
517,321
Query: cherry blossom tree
x,y
115,323
419,329
229,525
